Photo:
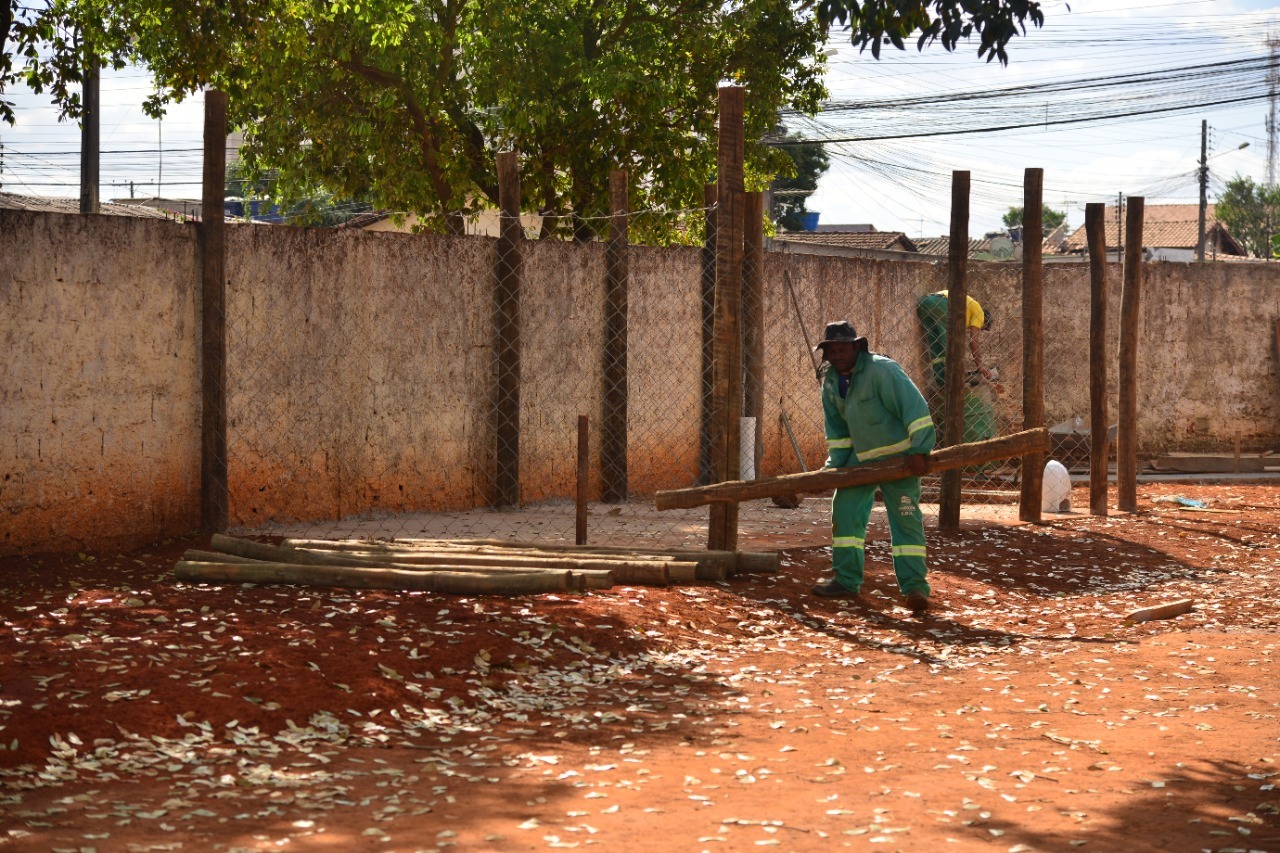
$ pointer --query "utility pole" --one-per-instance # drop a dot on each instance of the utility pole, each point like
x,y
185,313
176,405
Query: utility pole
x,y
89,137
1204,187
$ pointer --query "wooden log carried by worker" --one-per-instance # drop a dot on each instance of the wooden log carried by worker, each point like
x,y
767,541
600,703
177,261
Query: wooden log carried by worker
x,y
948,458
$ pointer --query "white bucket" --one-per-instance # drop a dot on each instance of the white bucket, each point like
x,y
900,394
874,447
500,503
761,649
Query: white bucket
x,y
1055,492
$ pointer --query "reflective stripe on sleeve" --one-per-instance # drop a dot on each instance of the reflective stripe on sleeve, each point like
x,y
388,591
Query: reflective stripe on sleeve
x,y
839,443
919,424
887,450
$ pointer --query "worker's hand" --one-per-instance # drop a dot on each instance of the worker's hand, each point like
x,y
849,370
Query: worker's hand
x,y
917,464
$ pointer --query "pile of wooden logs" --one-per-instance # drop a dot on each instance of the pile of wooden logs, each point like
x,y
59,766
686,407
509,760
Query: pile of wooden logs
x,y
462,567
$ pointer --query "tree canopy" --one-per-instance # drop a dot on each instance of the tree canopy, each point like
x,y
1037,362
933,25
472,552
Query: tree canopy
x,y
1050,218
1251,212
407,102
792,187
872,23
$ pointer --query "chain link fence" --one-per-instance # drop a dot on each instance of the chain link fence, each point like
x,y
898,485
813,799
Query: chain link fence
x,y
392,386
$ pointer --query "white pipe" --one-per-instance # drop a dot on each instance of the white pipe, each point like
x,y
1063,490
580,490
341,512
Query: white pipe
x,y
747,449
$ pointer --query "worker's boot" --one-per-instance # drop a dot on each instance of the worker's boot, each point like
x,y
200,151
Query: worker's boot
x,y
918,602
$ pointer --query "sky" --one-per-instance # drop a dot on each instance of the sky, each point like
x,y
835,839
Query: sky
x,y
900,184
904,184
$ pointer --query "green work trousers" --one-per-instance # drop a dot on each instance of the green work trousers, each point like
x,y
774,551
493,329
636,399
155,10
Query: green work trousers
x,y
932,312
850,512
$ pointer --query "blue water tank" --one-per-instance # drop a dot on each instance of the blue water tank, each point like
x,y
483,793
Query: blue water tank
x,y
809,220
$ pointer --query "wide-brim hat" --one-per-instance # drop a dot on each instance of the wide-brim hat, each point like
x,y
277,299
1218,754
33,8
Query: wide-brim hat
x,y
841,331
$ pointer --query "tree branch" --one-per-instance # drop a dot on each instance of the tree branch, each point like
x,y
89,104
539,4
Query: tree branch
x,y
427,142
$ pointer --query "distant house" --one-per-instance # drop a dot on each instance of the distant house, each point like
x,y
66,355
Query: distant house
x,y
1056,240
858,227
879,241
12,201
940,247
180,206
1169,233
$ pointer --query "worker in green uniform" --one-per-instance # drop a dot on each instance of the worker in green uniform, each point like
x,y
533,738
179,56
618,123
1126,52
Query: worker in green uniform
x,y
873,411
979,415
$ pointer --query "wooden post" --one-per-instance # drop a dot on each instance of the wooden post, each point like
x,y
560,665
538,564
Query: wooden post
x,y
1029,503
1130,313
613,426
727,364
584,472
506,346
709,198
753,319
213,318
957,344
1096,230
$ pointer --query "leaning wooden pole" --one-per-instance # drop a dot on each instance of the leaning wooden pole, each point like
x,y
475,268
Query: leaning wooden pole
x,y
1130,313
947,459
613,424
957,304
726,429
1096,231
1029,498
214,489
508,271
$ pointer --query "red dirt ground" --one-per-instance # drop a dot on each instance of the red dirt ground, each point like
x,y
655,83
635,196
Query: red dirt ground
x,y
1024,713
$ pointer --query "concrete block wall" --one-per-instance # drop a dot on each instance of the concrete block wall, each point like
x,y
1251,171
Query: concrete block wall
x,y
360,374
99,381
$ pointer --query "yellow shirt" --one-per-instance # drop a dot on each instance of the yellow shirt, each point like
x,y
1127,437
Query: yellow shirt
x,y
974,316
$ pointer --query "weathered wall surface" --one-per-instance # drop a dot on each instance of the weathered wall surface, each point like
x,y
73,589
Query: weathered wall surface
x,y
361,376
1206,372
358,372
1208,366
99,381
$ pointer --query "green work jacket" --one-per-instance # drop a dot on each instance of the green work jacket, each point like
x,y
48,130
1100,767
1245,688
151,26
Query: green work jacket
x,y
882,415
